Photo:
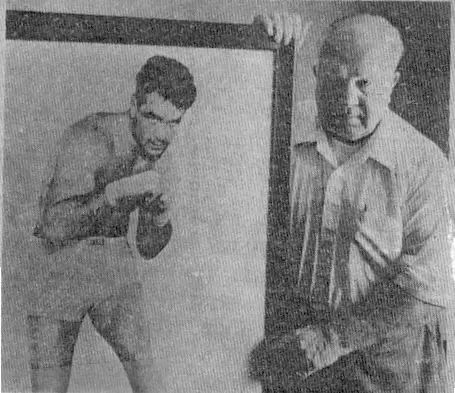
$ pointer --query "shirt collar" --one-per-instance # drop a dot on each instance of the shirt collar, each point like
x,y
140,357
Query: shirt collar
x,y
380,147
383,144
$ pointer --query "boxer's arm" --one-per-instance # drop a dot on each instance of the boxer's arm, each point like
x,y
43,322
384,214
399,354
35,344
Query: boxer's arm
x,y
90,214
74,206
74,218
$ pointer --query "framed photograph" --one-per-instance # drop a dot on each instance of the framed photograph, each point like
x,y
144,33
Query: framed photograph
x,y
228,170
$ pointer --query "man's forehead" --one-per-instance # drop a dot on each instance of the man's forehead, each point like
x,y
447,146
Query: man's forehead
x,y
362,58
364,36
359,54
160,106
354,43
363,28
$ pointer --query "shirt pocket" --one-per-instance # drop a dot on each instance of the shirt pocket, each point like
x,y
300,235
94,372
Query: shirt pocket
x,y
379,238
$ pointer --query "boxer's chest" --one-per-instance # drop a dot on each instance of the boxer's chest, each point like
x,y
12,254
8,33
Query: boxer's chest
x,y
123,159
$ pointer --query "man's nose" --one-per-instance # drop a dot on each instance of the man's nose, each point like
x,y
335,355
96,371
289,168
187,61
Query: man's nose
x,y
352,93
161,131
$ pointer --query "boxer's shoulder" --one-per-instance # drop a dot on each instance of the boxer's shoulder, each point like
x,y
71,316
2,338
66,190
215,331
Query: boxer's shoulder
x,y
90,139
94,129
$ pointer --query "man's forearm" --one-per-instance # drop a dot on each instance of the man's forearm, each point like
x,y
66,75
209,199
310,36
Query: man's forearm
x,y
388,312
74,217
288,358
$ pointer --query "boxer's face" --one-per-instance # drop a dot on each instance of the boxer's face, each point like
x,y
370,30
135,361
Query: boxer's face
x,y
156,123
354,86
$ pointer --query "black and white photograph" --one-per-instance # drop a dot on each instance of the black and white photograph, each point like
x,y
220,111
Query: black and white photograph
x,y
209,196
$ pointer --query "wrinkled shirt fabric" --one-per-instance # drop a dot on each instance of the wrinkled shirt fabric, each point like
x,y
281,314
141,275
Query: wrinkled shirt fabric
x,y
382,214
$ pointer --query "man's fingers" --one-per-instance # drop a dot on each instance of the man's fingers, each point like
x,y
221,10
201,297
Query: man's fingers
x,y
165,201
289,28
278,25
303,35
265,21
296,21
165,197
269,25
285,27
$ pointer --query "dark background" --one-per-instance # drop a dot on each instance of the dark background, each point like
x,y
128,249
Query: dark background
x,y
422,95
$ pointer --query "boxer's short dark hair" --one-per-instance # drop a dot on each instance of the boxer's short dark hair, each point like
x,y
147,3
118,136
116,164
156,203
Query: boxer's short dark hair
x,y
169,78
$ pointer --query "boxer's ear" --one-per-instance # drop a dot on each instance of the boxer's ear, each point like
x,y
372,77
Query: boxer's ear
x,y
133,106
396,78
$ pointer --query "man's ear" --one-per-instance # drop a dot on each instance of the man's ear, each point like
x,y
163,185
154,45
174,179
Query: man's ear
x,y
133,106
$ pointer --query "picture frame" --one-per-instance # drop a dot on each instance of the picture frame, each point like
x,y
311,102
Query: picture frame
x,y
43,49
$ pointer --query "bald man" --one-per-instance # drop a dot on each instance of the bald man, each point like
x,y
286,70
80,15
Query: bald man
x,y
369,231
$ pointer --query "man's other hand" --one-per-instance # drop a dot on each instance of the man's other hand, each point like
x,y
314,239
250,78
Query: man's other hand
x,y
284,27
160,207
284,361
320,345
280,362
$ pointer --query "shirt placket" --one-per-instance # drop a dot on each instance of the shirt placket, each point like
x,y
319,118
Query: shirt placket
x,y
322,282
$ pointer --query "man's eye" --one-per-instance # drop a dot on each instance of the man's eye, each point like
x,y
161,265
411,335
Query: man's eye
x,y
149,115
362,83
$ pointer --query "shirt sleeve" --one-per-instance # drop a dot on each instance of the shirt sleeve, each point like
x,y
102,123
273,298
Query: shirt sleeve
x,y
423,279
424,262
389,313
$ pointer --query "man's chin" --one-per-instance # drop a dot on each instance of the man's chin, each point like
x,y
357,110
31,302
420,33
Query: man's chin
x,y
150,154
354,134
153,153
350,133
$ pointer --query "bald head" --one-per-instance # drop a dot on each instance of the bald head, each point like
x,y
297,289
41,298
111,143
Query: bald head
x,y
360,34
356,75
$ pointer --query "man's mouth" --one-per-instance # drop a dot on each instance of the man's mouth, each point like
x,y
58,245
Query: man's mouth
x,y
353,120
349,116
343,117
155,145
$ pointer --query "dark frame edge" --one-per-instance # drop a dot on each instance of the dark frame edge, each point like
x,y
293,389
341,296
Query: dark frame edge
x,y
49,26
279,187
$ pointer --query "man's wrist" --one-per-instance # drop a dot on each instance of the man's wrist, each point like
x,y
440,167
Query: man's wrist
x,y
98,203
161,220
154,218
321,345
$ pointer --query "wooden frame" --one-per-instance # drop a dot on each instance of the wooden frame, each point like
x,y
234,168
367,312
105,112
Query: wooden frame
x,y
56,27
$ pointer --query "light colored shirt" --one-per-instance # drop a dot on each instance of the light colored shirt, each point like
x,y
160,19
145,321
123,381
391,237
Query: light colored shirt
x,y
381,214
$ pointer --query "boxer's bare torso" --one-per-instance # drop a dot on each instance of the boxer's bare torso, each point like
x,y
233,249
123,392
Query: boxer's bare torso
x,y
96,151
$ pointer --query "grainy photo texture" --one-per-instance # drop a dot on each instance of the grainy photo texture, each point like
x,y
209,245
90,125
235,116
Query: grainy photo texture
x,y
137,177
204,199
361,298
